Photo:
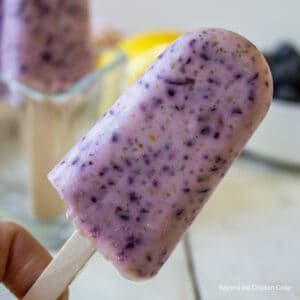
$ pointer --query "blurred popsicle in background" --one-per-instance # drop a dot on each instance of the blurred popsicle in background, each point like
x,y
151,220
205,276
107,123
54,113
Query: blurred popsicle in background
x,y
46,45
7,114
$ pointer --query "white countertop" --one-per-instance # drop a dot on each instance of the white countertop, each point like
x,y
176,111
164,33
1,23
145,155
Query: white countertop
x,y
245,245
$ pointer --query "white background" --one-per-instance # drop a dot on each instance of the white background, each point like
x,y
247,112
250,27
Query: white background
x,y
263,22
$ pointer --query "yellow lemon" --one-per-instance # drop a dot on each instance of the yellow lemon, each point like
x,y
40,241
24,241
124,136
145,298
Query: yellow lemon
x,y
138,64
142,49
105,58
137,44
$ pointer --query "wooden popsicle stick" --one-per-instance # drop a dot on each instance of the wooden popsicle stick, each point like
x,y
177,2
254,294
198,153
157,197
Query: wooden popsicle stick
x,y
62,270
47,136
43,123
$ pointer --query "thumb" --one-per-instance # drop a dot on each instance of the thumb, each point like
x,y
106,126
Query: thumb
x,y
22,258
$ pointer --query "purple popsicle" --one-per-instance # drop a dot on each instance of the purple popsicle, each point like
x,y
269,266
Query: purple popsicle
x,y
139,177
46,44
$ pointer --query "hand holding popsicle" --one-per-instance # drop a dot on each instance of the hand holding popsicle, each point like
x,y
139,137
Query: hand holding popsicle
x,y
20,254
141,175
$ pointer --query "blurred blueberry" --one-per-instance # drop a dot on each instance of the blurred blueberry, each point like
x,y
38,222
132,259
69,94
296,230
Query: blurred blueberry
x,y
285,51
271,59
287,72
287,92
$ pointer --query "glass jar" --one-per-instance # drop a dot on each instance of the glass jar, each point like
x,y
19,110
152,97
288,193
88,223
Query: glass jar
x,y
36,132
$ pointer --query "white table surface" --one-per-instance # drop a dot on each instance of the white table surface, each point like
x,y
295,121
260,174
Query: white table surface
x,y
245,245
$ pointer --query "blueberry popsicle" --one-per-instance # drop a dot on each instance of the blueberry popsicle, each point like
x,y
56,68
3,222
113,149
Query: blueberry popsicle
x,y
46,46
136,181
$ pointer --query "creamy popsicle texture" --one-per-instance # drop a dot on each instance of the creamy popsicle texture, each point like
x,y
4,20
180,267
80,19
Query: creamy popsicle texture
x,y
46,44
139,177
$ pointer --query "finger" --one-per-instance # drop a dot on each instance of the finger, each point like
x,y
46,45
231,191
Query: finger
x,y
22,258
